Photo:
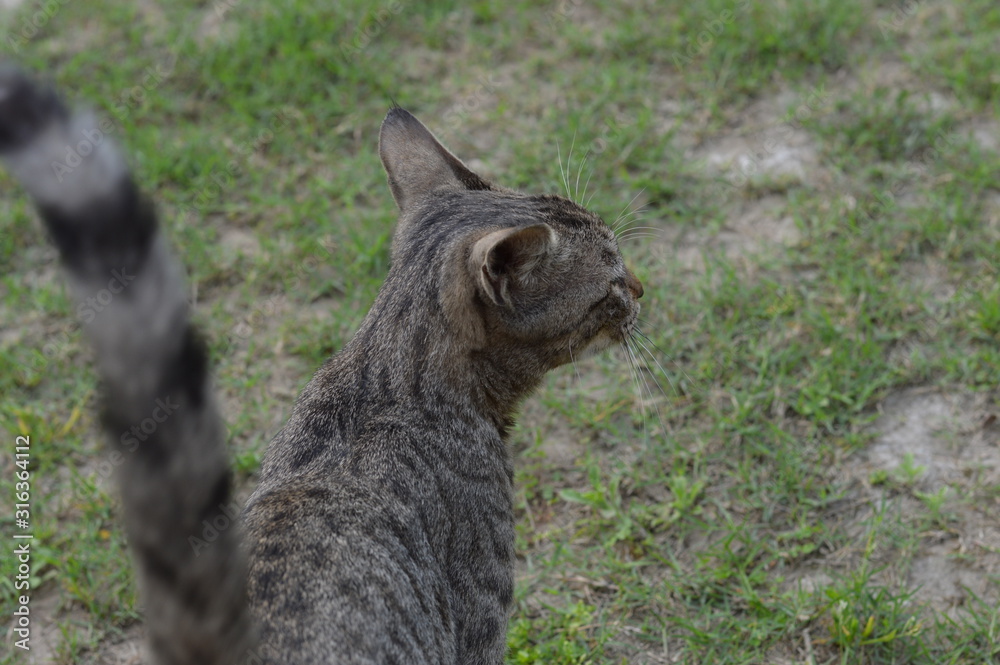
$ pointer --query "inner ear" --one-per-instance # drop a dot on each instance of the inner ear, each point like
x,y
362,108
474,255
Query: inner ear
x,y
416,162
504,260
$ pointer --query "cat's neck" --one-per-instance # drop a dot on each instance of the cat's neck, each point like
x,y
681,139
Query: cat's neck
x,y
413,364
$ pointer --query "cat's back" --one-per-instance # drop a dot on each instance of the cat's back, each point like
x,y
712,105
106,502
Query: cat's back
x,y
380,551
340,572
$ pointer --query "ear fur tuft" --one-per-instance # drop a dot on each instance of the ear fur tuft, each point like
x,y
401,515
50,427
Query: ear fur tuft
x,y
503,260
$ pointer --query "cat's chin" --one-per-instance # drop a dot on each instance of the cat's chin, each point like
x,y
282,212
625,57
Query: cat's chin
x,y
601,342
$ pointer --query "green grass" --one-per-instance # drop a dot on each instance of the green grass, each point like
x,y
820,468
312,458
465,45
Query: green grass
x,y
714,506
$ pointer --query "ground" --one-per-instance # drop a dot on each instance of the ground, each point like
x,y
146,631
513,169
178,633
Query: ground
x,y
799,463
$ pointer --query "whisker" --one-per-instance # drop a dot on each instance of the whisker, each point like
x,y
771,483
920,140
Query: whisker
x,y
644,228
652,399
623,221
614,225
579,172
638,236
649,354
586,203
625,215
633,366
653,344
645,232
562,172
572,361
569,163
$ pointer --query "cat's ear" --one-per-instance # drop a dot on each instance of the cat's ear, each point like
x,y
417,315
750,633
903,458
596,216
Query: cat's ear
x,y
504,260
417,163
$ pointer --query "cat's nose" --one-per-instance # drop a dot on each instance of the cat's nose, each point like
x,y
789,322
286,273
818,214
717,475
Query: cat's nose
x,y
633,284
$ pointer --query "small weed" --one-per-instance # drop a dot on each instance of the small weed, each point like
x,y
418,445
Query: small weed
x,y
564,636
869,621
908,473
935,502
613,514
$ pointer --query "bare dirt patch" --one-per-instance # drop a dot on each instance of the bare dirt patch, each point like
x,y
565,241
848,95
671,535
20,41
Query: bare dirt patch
x,y
985,133
754,161
953,438
944,433
924,493
751,227
768,142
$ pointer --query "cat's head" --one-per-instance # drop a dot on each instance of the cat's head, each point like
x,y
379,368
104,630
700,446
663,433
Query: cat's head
x,y
511,272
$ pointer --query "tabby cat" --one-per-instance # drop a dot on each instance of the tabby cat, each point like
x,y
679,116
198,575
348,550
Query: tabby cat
x,y
382,530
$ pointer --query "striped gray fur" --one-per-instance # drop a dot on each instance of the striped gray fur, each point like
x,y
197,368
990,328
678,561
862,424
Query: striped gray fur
x,y
382,528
